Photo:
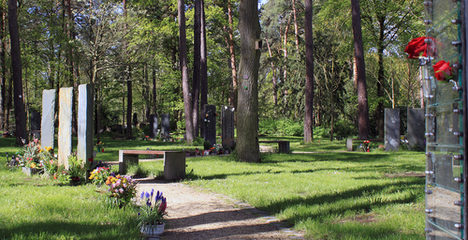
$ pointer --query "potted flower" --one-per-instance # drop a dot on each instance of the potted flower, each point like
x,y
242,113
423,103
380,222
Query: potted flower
x,y
151,214
121,190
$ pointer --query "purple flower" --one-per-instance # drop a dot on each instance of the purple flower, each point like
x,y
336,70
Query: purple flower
x,y
152,192
142,195
147,195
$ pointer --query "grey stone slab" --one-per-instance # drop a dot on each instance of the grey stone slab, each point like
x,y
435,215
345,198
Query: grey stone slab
x,y
174,165
416,127
392,129
48,118
165,125
209,122
227,127
65,126
349,144
153,125
35,121
84,150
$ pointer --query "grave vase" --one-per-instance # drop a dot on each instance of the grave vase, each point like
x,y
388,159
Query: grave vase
x,y
152,231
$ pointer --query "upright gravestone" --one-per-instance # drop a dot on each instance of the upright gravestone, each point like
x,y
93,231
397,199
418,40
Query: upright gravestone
x,y
135,119
392,129
84,150
65,125
210,124
416,128
48,118
35,120
227,125
153,125
165,125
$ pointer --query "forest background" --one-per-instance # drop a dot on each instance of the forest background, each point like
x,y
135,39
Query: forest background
x,y
129,51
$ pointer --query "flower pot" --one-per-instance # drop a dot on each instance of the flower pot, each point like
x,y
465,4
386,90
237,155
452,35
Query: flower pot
x,y
152,231
30,171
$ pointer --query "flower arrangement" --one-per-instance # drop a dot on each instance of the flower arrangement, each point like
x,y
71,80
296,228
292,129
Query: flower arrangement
x,y
31,155
49,160
152,212
121,189
75,174
100,146
365,146
99,175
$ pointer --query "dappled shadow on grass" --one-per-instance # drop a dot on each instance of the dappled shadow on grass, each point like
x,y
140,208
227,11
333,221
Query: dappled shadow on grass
x,y
370,195
70,230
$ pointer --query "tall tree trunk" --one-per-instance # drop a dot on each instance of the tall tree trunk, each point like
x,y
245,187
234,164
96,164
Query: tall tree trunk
x,y
183,67
196,65
153,104
3,71
20,115
233,92
9,100
296,31
379,111
247,102
273,76
363,109
128,74
309,90
203,63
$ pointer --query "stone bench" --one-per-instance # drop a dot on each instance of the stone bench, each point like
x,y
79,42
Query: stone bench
x,y
283,146
174,161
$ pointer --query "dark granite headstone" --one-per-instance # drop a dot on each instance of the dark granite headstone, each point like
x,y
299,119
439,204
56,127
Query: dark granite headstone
x,y
392,129
227,122
135,119
153,125
48,118
85,146
165,125
65,126
416,128
209,122
35,120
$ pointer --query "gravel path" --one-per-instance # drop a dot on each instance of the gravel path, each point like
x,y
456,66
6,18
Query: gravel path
x,y
195,213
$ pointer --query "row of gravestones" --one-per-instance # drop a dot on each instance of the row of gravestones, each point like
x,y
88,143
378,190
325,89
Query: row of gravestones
x,y
84,150
209,126
415,129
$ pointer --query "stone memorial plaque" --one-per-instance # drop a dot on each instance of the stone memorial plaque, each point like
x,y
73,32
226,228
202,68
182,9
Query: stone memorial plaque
x,y
165,125
209,122
227,122
349,144
85,146
35,120
65,126
153,125
416,127
392,129
48,118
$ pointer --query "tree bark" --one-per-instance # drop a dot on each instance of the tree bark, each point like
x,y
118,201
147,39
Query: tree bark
x,y
309,89
296,31
233,92
247,118
128,74
203,63
363,109
379,111
196,65
153,104
273,75
3,66
184,71
20,115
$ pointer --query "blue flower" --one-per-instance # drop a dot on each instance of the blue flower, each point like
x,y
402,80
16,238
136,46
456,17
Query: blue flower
x,y
142,195
152,192
147,195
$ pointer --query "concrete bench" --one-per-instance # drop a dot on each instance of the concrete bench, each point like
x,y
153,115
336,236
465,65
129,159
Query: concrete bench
x,y
174,161
283,146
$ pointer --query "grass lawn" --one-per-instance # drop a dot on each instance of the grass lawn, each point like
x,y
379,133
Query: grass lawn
x,y
330,194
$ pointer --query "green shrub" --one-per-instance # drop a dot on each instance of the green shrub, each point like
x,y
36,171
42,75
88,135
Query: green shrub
x,y
280,127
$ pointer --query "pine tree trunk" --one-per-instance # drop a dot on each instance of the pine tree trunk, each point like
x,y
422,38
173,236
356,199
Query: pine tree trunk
x,y
363,109
184,70
153,104
309,90
196,66
203,63
296,31
379,111
247,118
233,92
273,76
20,115
3,71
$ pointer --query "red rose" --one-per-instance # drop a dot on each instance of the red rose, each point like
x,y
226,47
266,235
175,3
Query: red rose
x,y
442,70
417,47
